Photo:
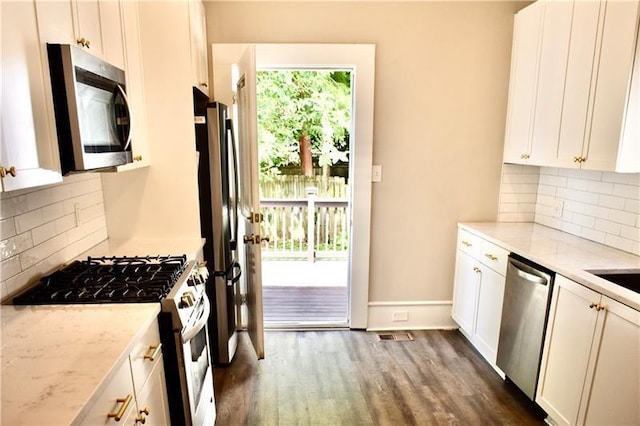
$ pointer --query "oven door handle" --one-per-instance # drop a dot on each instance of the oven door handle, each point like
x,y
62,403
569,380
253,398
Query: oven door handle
x,y
200,322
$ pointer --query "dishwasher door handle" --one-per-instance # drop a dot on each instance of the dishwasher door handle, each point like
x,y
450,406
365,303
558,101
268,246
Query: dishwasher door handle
x,y
529,277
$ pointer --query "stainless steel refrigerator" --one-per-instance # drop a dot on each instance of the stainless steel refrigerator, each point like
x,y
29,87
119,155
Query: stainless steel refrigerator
x,y
217,186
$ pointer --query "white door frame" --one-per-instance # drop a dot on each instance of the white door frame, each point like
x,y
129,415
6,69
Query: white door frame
x,y
361,59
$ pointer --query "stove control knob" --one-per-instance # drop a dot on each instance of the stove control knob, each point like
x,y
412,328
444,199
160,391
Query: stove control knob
x,y
187,300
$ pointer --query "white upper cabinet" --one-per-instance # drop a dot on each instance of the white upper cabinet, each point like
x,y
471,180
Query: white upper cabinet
x,y
28,148
522,86
140,150
619,42
585,101
198,32
94,25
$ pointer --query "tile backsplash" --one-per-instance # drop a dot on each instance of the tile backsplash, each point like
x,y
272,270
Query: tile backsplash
x,y
42,228
599,206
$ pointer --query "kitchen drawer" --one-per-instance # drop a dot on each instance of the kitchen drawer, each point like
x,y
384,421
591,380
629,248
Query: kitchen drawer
x,y
117,398
493,256
145,355
469,243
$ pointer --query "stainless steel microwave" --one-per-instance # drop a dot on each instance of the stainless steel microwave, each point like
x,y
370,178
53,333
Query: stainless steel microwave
x,y
93,120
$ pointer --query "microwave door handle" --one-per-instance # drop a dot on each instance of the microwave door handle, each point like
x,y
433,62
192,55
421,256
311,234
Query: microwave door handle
x,y
126,105
200,323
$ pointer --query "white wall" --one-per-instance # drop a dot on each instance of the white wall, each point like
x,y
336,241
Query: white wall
x,y
442,72
42,228
599,206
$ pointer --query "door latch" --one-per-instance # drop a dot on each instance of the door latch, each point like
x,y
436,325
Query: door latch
x,y
255,239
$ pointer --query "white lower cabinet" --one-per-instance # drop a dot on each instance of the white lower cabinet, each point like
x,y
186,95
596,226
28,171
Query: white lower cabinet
x,y
590,370
137,393
479,291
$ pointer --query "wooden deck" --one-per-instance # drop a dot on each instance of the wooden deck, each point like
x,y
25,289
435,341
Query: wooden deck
x,y
305,305
299,293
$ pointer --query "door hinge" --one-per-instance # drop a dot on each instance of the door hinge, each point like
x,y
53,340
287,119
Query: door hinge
x,y
257,217
241,299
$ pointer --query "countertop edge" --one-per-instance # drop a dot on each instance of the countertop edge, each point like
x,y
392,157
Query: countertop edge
x,y
618,293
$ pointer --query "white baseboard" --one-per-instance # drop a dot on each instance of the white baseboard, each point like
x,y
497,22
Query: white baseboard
x,y
418,315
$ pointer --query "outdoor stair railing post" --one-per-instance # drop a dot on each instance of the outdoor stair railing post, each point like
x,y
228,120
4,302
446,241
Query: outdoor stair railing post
x,y
311,191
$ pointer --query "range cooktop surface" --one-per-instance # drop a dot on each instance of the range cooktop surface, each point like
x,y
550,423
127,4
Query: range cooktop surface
x,y
108,280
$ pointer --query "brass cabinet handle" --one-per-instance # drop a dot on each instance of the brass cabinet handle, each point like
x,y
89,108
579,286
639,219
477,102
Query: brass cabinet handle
x,y
137,158
10,171
84,42
600,307
593,305
524,156
476,270
156,350
490,256
579,160
466,243
125,404
204,84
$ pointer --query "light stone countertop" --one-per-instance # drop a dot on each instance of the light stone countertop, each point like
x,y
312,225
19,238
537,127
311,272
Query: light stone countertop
x,y
56,359
563,253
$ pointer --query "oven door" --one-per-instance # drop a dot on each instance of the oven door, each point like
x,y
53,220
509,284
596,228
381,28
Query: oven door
x,y
197,367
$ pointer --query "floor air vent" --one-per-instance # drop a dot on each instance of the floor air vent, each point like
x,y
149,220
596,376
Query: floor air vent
x,y
397,337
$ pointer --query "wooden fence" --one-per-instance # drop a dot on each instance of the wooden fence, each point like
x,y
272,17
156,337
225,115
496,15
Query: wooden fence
x,y
294,186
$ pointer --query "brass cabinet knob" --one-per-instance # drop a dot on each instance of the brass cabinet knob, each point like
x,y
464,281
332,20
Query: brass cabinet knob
x,y
83,42
10,171
137,158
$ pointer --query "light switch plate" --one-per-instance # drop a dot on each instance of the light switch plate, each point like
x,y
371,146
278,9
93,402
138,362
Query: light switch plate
x,y
376,173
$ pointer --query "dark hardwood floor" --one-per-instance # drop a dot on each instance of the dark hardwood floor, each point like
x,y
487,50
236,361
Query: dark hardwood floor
x,y
352,378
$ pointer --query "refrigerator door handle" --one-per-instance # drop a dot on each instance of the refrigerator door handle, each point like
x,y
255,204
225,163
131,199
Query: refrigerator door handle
x,y
234,237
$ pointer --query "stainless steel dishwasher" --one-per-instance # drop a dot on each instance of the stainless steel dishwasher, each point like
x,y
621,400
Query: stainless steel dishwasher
x,y
525,309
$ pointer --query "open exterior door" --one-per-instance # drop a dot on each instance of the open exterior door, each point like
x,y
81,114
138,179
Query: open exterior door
x,y
249,202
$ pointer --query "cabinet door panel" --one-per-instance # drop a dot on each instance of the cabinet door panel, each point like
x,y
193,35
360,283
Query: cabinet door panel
x,y
465,292
88,24
522,88
112,34
490,298
554,50
616,360
578,87
153,398
566,351
28,138
612,84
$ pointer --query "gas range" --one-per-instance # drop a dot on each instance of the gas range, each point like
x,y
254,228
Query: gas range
x,y
175,282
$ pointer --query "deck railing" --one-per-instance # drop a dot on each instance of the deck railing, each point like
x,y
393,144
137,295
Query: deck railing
x,y
308,227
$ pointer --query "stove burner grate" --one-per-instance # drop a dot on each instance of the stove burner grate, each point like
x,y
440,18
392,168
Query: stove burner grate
x,y
108,280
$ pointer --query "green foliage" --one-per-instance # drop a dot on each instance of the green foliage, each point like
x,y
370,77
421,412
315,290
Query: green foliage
x,y
296,102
